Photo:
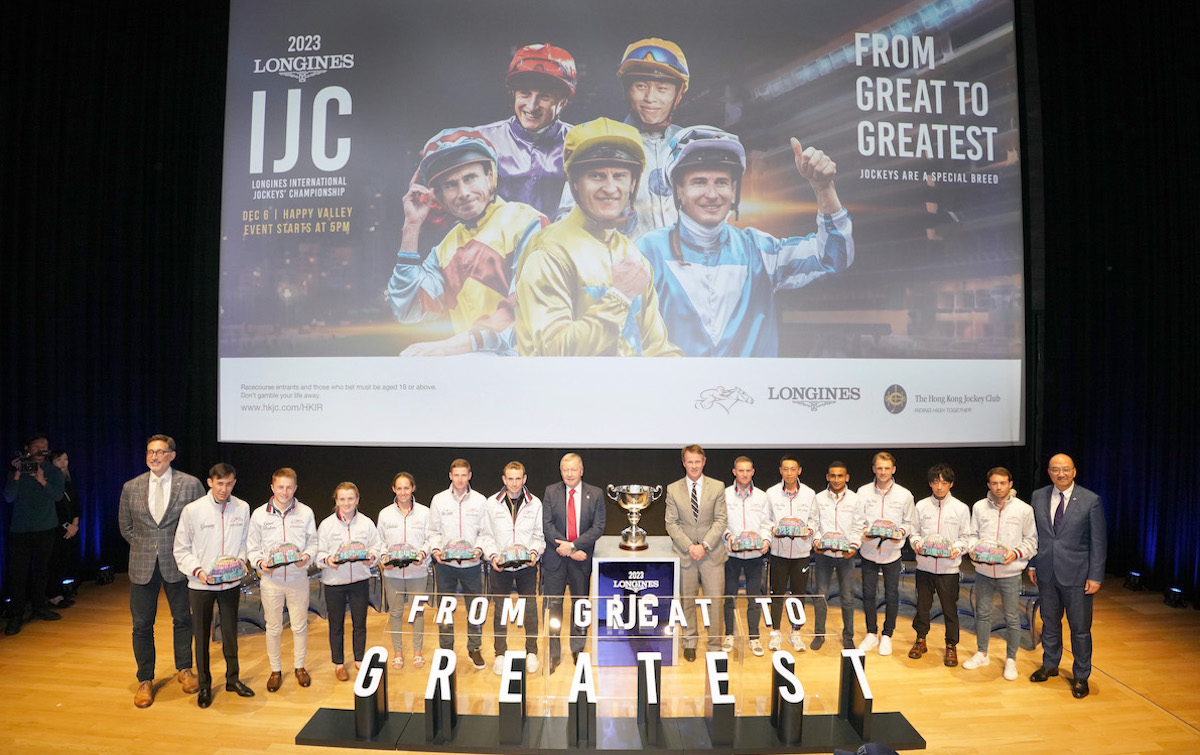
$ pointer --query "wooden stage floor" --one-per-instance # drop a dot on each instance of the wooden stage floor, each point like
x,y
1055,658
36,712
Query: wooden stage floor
x,y
68,686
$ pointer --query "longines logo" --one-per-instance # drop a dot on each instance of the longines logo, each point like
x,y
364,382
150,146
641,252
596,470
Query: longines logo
x,y
813,396
722,397
304,66
895,398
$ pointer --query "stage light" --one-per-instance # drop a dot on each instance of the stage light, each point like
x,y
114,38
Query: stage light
x,y
1174,597
1133,581
105,576
70,588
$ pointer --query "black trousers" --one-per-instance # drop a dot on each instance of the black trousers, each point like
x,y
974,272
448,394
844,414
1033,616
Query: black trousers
x,y
28,567
358,595
753,569
524,583
578,576
946,587
202,602
785,574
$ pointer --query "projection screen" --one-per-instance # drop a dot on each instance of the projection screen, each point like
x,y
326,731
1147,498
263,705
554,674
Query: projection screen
x,y
900,324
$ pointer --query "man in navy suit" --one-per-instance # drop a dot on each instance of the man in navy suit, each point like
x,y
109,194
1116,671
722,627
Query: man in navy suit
x,y
1068,568
573,519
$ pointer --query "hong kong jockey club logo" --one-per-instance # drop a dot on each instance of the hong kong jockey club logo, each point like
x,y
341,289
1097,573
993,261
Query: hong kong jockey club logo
x,y
722,397
895,398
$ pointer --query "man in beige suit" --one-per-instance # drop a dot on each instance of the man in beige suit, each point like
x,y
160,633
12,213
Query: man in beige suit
x,y
695,517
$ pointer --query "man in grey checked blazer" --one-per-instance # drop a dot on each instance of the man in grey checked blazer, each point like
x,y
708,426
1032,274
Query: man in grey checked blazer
x,y
148,514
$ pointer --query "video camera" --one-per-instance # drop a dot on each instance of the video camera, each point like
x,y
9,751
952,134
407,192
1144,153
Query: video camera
x,y
28,462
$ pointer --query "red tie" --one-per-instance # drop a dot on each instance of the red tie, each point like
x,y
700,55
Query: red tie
x,y
572,528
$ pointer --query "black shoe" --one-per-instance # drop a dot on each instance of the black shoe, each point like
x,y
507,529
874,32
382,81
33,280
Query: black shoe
x,y
1079,688
476,659
1042,674
12,627
689,654
204,697
45,614
554,661
848,644
818,642
238,687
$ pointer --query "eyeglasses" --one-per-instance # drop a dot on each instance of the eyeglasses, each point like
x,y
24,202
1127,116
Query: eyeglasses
x,y
1061,470
158,452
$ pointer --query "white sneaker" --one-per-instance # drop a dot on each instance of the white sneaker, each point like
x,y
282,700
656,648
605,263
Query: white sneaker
x,y
727,643
498,665
756,646
797,643
885,645
1010,669
976,661
869,643
776,641
531,663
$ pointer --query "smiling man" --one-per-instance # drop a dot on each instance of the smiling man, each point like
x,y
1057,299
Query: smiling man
x,y
582,288
470,273
716,282
529,145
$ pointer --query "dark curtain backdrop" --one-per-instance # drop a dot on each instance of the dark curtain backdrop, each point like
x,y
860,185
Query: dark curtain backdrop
x,y
112,135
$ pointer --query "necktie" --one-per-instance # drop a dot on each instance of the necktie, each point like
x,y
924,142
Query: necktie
x,y
572,527
695,501
156,499
1058,513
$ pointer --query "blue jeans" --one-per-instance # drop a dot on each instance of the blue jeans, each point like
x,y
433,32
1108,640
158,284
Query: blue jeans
x,y
1010,595
845,571
891,595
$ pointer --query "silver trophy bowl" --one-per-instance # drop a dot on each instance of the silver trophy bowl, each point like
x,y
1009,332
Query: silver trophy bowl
x,y
634,498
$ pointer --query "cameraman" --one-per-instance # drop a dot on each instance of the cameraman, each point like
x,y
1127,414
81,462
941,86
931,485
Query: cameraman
x,y
33,488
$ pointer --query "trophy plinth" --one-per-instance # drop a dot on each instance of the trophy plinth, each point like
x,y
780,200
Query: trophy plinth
x,y
634,498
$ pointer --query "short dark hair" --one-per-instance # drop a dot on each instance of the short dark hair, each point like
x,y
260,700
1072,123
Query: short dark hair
x,y
36,436
788,457
999,471
837,465
221,470
164,438
941,470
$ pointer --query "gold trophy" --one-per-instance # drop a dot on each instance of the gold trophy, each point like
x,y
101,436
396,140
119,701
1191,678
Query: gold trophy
x,y
634,498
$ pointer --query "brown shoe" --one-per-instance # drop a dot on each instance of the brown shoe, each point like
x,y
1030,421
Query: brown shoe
x,y
274,681
341,673
189,681
302,677
951,655
145,695
919,648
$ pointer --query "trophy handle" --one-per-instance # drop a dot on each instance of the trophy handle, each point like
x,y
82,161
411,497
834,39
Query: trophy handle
x,y
612,492
655,493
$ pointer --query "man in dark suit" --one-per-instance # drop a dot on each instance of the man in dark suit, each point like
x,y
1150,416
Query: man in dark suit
x,y
148,515
1068,568
696,517
573,520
